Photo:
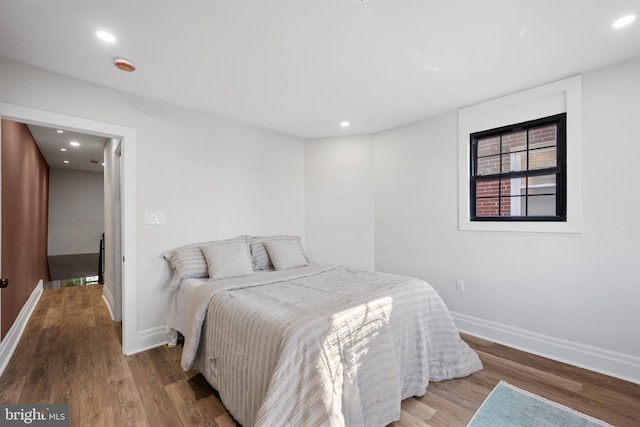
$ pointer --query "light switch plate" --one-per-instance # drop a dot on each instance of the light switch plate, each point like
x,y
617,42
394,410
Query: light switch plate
x,y
154,217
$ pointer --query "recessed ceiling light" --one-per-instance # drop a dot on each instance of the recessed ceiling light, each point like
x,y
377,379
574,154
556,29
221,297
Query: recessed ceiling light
x,y
75,144
60,131
105,36
66,161
345,124
624,21
63,149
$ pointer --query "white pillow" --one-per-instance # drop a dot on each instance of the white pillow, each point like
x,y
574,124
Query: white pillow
x,y
285,254
231,260
261,260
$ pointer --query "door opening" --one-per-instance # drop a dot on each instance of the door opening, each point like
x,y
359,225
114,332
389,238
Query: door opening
x,y
126,201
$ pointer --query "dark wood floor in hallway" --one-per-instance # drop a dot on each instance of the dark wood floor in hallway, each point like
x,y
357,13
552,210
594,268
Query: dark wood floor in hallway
x,y
70,353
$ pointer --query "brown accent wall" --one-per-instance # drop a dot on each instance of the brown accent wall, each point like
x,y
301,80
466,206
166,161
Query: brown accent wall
x,y
25,211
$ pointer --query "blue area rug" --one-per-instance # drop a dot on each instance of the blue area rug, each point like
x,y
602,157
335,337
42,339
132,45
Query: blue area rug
x,y
509,406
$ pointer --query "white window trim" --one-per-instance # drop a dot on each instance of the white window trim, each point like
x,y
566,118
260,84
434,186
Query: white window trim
x,y
564,96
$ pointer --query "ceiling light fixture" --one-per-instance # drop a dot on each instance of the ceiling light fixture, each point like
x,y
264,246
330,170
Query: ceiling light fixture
x,y
124,65
75,144
63,149
624,21
66,161
345,124
60,131
106,36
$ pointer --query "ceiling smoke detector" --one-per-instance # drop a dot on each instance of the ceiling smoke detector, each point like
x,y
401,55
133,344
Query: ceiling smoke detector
x,y
124,65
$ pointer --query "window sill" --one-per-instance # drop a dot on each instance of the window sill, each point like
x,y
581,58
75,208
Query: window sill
x,y
524,226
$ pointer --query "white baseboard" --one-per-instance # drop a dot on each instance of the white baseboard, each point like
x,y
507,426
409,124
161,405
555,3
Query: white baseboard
x,y
146,339
618,365
150,338
11,340
108,299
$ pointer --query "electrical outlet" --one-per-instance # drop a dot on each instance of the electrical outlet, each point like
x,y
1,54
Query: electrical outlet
x,y
460,285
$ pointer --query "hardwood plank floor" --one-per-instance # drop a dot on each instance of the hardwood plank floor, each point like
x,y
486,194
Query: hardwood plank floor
x,y
70,353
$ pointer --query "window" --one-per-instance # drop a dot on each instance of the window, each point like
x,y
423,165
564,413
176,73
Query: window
x,y
518,172
563,96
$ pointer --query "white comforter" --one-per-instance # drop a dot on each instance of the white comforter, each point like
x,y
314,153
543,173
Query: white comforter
x,y
319,345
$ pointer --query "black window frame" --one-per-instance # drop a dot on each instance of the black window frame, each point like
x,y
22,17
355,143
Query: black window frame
x,y
560,170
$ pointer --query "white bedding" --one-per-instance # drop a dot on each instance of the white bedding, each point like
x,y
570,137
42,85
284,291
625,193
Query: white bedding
x,y
177,320
318,345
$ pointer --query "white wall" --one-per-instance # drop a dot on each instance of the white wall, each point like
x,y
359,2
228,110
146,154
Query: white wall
x,y
76,211
213,178
573,297
339,200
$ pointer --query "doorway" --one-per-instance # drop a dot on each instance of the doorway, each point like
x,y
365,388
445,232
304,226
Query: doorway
x,y
76,210
126,203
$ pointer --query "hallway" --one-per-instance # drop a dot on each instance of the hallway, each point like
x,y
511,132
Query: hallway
x,y
70,352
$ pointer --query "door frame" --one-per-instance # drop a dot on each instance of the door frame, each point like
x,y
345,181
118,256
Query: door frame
x,y
127,136
117,227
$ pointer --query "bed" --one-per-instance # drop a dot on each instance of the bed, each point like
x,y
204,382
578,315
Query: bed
x,y
302,344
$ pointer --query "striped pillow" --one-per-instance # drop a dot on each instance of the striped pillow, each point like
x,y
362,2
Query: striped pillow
x,y
189,261
261,260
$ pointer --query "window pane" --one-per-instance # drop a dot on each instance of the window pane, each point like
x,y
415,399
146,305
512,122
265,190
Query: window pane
x,y
543,158
545,184
489,165
514,162
513,142
488,146
541,205
487,188
505,206
487,207
506,187
542,137
518,206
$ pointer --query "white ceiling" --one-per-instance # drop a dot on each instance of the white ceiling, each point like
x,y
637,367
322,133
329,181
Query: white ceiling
x,y
302,66
87,156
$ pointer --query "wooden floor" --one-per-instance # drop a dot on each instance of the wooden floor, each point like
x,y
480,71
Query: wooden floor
x,y
70,353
